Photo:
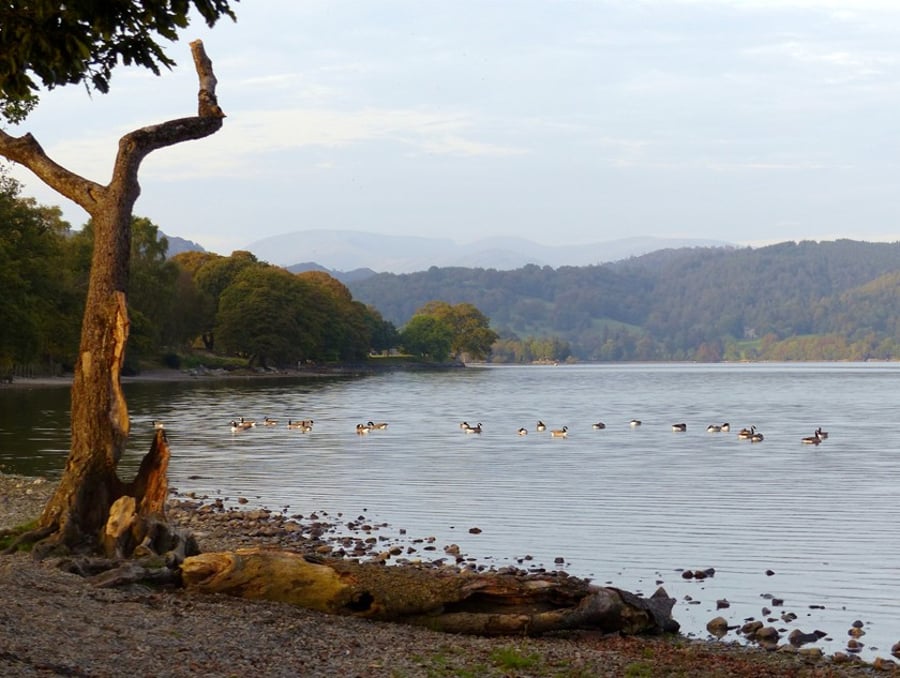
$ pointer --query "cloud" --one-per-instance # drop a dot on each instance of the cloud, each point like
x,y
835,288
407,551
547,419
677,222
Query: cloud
x,y
251,136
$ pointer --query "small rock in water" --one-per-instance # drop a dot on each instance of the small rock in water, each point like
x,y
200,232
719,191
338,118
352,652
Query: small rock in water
x,y
717,626
474,530
722,604
769,573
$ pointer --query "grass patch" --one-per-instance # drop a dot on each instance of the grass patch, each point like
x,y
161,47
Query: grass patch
x,y
639,670
7,537
511,658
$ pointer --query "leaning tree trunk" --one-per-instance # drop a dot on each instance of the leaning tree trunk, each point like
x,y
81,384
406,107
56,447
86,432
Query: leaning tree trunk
x,y
77,513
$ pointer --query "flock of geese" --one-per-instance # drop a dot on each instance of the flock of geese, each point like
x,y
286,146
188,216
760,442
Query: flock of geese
x,y
750,434
302,425
306,425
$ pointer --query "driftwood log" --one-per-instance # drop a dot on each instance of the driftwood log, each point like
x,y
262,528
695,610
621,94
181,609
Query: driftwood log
x,y
492,603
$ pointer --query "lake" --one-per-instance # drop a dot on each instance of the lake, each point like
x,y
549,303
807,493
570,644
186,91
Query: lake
x,y
629,506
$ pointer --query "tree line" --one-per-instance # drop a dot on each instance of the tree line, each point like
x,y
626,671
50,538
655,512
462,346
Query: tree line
x,y
797,301
225,306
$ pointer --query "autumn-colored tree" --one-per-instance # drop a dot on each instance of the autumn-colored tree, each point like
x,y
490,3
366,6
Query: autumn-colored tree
x,y
471,332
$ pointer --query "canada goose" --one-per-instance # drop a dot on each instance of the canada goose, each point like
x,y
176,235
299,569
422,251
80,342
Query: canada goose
x,y
305,426
726,427
560,432
599,425
362,429
238,426
713,428
523,431
814,439
746,433
756,437
474,429
822,434
679,428
634,423
249,423
158,425
541,427
270,422
379,426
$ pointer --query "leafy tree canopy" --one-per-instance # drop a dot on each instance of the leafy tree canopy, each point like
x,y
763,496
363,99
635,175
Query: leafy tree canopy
x,y
49,44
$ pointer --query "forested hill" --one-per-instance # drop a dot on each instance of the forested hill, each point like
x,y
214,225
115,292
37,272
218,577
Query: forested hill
x,y
808,300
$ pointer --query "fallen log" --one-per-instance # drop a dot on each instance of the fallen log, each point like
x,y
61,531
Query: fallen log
x,y
483,603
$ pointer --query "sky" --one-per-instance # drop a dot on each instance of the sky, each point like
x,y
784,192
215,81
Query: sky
x,y
562,121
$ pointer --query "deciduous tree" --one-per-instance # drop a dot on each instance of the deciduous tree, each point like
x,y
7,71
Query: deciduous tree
x,y
53,44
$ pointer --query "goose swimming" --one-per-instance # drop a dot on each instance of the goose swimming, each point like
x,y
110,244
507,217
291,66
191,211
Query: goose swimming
x,y
746,433
239,426
814,439
679,428
560,432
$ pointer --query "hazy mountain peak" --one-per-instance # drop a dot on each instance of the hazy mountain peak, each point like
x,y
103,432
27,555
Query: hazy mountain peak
x,y
342,250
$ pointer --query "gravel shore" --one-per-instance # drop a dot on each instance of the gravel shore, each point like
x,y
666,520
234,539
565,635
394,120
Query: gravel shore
x,y
56,623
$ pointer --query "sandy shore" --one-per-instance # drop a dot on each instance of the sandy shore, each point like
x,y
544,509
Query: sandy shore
x,y
56,623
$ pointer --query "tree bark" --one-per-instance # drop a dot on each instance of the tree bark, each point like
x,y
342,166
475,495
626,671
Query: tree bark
x,y
79,510
457,602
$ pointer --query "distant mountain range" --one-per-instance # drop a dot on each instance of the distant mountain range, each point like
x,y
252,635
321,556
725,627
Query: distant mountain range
x,y
362,253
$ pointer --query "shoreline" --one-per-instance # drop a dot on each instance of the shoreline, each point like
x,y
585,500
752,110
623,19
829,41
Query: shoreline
x,y
224,628
162,374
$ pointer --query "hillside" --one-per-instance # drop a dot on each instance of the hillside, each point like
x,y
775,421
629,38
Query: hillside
x,y
689,303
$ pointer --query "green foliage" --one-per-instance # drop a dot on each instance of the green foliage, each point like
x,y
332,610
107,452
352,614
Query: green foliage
x,y
259,317
690,304
470,328
426,336
49,44
155,308
37,303
273,317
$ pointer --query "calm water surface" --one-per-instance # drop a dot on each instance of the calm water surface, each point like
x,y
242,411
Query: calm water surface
x,y
629,506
